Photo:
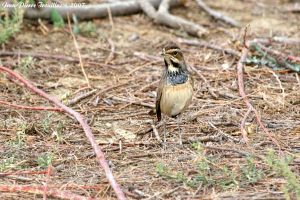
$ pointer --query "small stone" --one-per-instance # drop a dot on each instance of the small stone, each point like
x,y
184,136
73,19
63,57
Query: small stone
x,y
133,37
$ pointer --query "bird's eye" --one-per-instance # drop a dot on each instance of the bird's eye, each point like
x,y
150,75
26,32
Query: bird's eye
x,y
175,53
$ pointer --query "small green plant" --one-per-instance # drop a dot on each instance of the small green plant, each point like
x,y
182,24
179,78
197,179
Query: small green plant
x,y
25,64
56,19
87,29
230,179
20,138
45,160
281,167
10,25
160,169
46,123
207,173
20,135
6,163
250,172
57,132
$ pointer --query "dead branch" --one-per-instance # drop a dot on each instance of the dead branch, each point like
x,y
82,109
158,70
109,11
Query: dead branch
x,y
217,15
40,190
295,8
99,154
286,40
162,16
240,71
30,107
88,12
200,43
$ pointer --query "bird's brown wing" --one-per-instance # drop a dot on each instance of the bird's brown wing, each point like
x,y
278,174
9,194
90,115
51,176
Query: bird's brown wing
x,y
158,98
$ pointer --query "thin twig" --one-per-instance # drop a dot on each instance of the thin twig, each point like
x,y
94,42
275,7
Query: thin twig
x,y
30,107
112,51
110,17
156,132
243,153
209,88
80,97
134,102
243,122
100,155
201,43
280,85
78,53
223,133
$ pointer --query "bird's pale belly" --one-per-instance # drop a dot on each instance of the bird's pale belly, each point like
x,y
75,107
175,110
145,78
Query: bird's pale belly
x,y
175,99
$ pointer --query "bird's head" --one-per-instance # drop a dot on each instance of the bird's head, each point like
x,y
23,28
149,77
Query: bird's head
x,y
173,58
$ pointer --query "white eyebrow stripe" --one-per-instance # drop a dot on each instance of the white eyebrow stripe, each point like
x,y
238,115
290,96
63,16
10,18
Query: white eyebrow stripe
x,y
172,50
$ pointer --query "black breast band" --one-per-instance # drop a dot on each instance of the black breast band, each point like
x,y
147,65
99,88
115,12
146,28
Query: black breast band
x,y
178,77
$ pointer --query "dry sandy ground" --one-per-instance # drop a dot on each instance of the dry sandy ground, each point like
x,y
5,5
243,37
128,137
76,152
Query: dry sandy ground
x,y
140,163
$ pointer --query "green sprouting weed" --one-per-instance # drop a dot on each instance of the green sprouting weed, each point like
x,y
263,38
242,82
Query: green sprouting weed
x,y
56,19
87,29
45,160
20,135
57,132
281,167
250,173
6,163
163,171
10,25
180,177
229,180
25,64
160,169
46,123
197,146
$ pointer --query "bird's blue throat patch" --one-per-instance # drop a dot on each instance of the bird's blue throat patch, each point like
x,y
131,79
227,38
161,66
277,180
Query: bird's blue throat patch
x,y
178,77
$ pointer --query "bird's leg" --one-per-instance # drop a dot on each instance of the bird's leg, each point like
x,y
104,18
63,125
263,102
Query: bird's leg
x,y
165,132
179,119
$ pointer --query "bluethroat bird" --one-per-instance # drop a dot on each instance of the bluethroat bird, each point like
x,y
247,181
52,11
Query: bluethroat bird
x,y
175,90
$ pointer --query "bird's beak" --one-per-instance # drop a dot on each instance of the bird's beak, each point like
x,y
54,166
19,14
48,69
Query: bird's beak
x,y
163,52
